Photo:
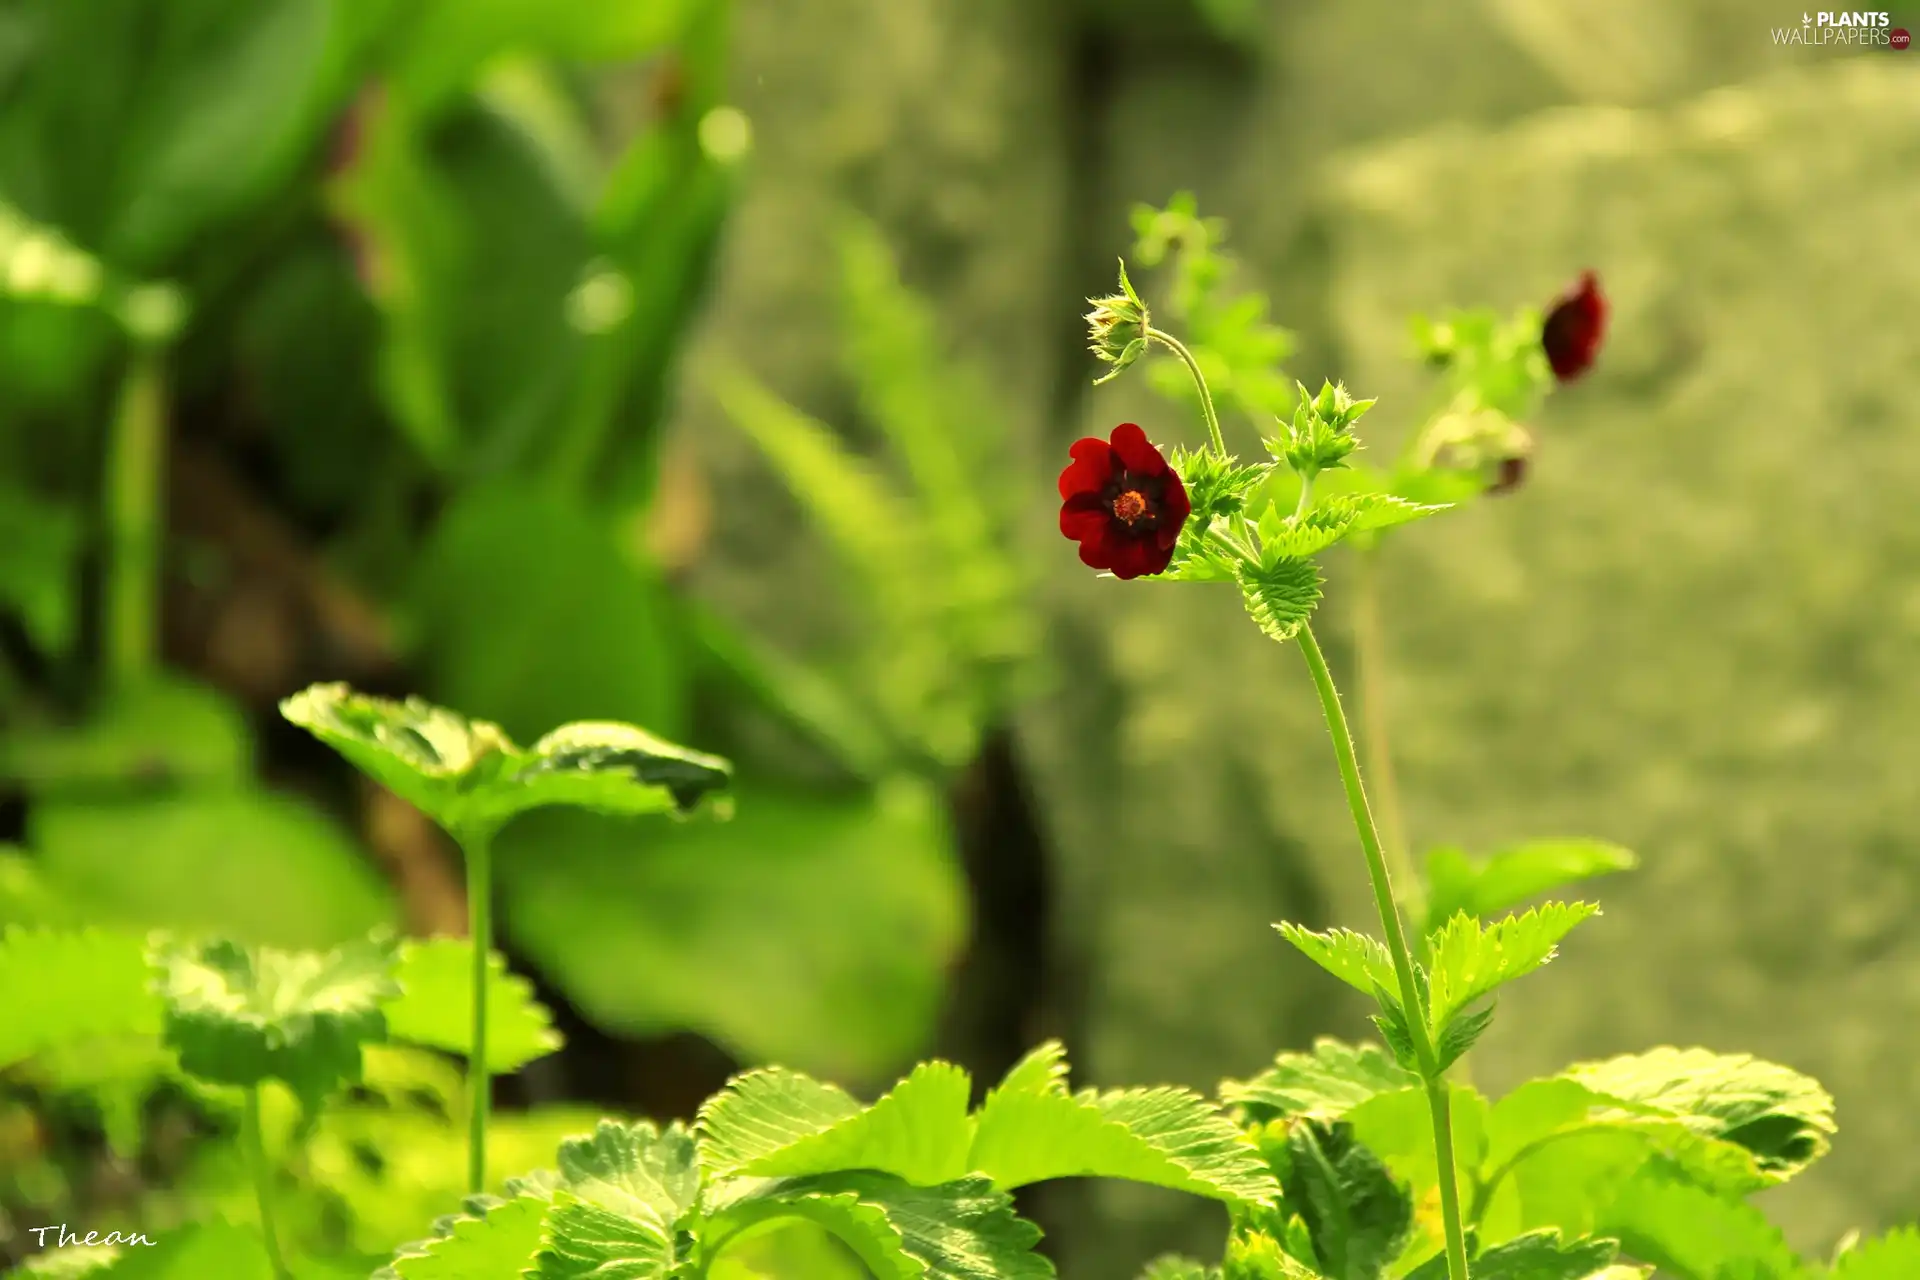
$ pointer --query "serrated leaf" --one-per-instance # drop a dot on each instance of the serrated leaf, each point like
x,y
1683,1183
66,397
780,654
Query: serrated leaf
x,y
1322,1085
1279,597
1485,887
635,1169
1458,1035
241,1016
1783,1117
1538,1255
1696,1234
1894,1256
1030,1130
764,1111
584,1240
1255,1255
1470,960
961,1230
469,777
495,1240
919,1132
1042,1070
1357,1216
58,988
1173,1267
434,1007
1356,959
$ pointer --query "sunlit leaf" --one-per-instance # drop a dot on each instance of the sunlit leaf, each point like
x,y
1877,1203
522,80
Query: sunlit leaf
x,y
435,1005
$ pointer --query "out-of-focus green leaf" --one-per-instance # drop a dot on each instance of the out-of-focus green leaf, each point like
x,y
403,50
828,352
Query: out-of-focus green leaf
x,y
1889,1257
39,583
231,122
531,615
1696,1235
435,1005
1540,1255
1508,877
247,864
159,731
243,1016
449,42
195,1251
809,930
59,988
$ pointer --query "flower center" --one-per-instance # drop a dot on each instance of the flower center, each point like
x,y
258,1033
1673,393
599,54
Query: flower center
x,y
1130,506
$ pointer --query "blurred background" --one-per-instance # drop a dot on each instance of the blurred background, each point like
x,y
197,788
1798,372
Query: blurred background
x,y
709,365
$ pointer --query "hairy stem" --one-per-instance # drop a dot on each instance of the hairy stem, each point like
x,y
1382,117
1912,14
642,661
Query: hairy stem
x,y
1179,348
136,452
479,857
1370,674
1439,1101
256,1157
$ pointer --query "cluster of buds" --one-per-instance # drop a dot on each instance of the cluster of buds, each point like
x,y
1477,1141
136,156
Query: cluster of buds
x,y
1117,328
1320,437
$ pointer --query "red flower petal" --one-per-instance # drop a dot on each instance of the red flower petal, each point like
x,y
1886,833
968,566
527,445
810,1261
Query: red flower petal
x,y
1084,516
1135,453
1098,551
1091,468
1574,327
1175,507
1136,557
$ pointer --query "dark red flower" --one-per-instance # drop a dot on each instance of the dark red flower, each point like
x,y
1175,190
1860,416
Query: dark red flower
x,y
1122,503
1574,327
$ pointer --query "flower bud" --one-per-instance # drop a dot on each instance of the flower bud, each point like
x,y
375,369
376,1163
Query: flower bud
x,y
1117,328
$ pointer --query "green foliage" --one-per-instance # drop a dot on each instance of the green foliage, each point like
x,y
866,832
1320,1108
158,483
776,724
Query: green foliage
x,y
1470,960
435,1000
58,988
1322,1085
469,777
862,890
1357,960
239,1016
1887,1257
1483,887
1782,1117
1030,1129
1538,1255
1695,1235
1237,347
1356,1216
1320,435
1279,597
494,1241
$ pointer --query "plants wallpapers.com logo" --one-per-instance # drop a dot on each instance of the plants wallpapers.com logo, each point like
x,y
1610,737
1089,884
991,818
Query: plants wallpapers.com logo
x,y
1865,29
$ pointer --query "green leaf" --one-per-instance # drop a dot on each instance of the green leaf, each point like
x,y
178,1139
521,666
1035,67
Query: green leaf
x,y
862,892
241,1016
1397,1127
1332,519
1280,597
1538,1255
587,1240
39,549
1470,960
962,1230
1357,960
1459,1035
58,988
1163,1136
1695,1234
1322,1085
495,1240
636,1170
919,1131
469,777
509,636
1357,1216
1485,887
1173,1267
244,864
436,1001
1783,1117
159,731
1894,1256
194,1252
1255,1255
765,1111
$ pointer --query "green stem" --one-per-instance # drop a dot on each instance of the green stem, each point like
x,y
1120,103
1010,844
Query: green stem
x,y
1439,1102
1369,646
256,1156
479,856
1178,348
136,450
